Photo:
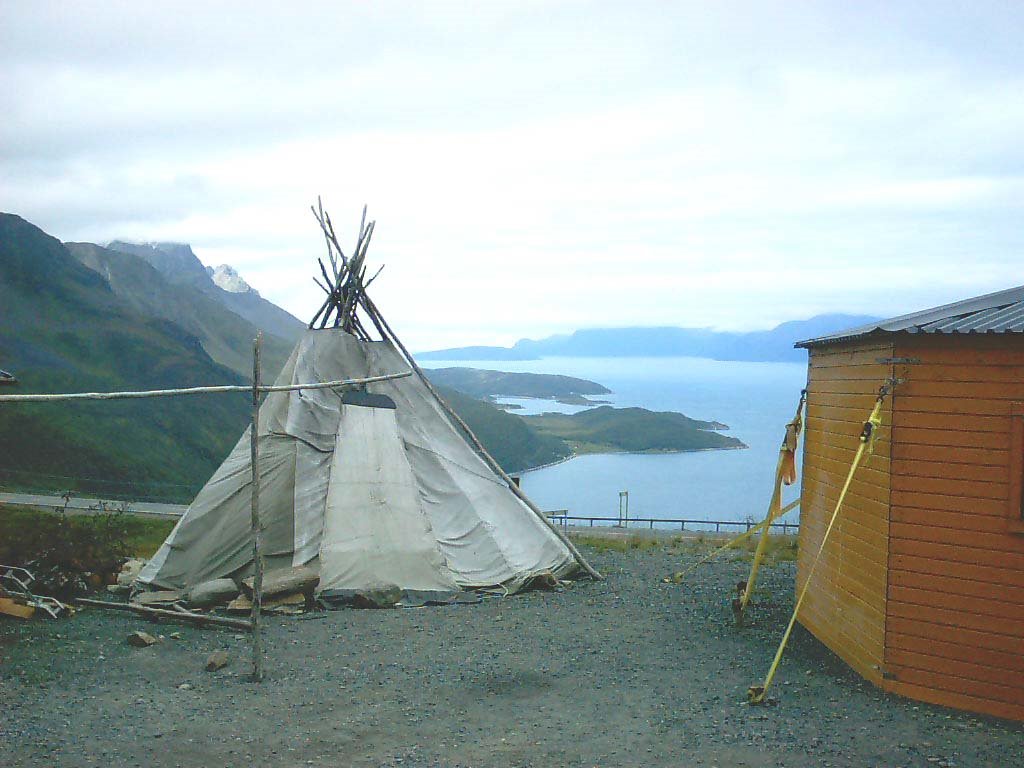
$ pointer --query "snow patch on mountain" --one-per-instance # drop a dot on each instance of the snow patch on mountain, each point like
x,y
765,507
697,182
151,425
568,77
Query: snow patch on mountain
x,y
228,279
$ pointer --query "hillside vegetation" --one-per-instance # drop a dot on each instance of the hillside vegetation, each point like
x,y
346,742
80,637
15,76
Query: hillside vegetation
x,y
64,330
511,441
226,336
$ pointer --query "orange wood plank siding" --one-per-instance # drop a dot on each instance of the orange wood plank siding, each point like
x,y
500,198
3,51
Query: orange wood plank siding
x,y
954,633
845,606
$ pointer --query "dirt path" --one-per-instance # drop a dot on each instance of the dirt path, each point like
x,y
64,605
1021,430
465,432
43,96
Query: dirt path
x,y
622,673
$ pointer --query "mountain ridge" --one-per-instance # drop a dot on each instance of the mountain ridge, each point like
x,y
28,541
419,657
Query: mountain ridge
x,y
226,277
773,345
225,335
66,330
179,265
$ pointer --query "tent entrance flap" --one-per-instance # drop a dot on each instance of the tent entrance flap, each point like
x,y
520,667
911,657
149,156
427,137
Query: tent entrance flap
x,y
376,532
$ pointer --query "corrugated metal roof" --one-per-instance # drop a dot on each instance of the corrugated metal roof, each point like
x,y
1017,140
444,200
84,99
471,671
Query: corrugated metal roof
x,y
1000,312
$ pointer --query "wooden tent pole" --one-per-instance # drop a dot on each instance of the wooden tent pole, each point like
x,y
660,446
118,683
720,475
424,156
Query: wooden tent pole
x,y
372,310
157,614
257,527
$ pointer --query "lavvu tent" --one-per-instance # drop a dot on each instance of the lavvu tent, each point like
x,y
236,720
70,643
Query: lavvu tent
x,y
380,486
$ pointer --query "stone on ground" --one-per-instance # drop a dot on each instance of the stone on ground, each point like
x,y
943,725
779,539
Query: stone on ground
x,y
217,660
141,639
211,593
377,596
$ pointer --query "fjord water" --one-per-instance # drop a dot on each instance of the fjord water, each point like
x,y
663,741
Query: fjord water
x,y
756,400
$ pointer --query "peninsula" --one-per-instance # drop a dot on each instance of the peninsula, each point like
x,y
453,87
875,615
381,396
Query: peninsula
x,y
529,441
632,430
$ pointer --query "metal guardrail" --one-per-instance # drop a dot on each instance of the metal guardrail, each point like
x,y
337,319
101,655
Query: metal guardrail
x,y
557,516
561,517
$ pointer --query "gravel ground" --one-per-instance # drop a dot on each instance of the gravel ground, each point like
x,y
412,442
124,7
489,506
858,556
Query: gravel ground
x,y
625,672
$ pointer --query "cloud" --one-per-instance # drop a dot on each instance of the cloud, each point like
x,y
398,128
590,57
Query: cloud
x,y
536,168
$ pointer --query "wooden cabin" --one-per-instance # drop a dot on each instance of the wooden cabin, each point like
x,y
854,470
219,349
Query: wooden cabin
x,y
920,587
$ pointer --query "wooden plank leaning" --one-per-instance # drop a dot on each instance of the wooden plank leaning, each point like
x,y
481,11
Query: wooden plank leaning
x,y
185,617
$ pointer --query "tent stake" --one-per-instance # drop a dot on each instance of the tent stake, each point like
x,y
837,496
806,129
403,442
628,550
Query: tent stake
x,y
257,528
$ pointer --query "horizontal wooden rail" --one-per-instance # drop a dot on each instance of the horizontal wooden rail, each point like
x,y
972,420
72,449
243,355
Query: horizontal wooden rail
x,y
565,520
41,398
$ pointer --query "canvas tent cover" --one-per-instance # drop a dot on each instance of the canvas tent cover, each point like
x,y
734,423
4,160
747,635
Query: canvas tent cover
x,y
369,495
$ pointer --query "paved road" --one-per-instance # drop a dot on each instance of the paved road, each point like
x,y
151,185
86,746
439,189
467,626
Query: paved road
x,y
82,505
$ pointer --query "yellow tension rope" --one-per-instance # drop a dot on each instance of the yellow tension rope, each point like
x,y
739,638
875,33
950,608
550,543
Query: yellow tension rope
x,y
756,693
677,577
785,474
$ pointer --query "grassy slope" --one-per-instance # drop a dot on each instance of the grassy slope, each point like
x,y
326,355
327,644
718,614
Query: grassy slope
x,y
64,330
507,437
18,526
606,429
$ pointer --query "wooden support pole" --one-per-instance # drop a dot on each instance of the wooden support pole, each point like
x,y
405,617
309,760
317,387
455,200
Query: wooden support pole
x,y
257,527
788,448
774,511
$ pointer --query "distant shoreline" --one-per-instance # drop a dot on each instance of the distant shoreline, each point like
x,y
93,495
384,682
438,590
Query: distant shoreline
x,y
774,345
580,401
575,455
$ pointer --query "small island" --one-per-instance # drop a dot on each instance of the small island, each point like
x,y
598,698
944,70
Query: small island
x,y
633,430
524,442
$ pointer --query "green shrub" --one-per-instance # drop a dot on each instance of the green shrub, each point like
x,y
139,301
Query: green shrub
x,y
71,553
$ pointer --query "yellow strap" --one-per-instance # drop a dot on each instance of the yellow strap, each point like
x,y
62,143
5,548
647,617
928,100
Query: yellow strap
x,y
789,446
756,694
789,442
680,575
755,565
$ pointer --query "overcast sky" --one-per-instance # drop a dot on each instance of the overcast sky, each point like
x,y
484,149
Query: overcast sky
x,y
537,167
